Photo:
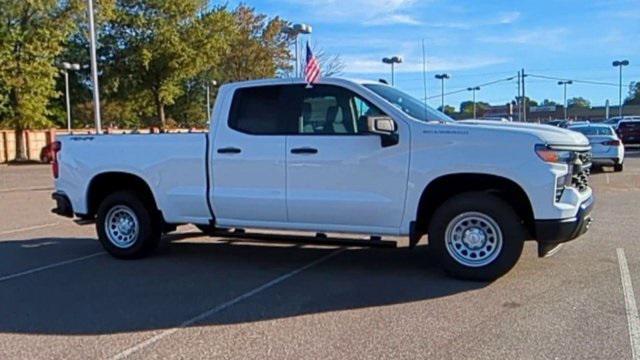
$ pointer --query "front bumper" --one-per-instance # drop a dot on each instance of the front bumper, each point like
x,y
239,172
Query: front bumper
x,y
551,233
63,205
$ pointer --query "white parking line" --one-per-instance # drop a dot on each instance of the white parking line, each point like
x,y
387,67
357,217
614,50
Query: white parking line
x,y
630,305
223,306
35,188
36,227
50,266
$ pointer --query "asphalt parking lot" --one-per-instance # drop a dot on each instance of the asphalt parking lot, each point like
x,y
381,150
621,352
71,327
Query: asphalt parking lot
x,y
61,296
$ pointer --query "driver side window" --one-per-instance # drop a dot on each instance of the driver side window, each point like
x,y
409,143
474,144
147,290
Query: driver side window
x,y
331,110
364,109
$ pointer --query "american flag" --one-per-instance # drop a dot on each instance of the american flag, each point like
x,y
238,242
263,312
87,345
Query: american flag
x,y
312,70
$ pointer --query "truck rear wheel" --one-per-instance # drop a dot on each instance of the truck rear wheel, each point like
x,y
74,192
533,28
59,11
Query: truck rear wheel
x,y
476,236
127,228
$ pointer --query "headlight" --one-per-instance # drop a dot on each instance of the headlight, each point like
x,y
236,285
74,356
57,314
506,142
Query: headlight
x,y
554,156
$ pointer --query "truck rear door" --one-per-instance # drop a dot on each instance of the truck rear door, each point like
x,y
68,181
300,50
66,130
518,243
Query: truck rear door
x,y
248,159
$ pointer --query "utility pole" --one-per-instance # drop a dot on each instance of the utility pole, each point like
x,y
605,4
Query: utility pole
x,y
519,98
524,99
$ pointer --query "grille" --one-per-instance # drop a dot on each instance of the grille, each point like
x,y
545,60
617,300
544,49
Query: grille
x,y
581,171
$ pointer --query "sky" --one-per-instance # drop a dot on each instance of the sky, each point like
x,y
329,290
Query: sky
x,y
476,42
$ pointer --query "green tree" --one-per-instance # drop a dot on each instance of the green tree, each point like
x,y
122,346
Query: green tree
x,y
466,108
31,36
578,102
158,45
258,48
448,109
547,102
634,94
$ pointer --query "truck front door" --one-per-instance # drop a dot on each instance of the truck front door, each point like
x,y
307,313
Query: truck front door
x,y
339,176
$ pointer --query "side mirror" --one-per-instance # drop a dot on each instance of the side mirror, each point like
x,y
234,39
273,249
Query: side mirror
x,y
385,127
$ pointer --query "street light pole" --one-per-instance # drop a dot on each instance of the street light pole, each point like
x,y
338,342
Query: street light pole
x,y
620,64
208,87
565,83
442,78
68,102
473,90
66,67
392,61
295,30
94,68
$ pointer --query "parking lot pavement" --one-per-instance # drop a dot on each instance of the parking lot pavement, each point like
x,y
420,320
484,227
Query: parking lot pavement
x,y
199,297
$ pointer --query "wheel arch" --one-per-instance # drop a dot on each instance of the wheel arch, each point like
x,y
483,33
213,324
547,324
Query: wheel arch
x,y
446,186
106,183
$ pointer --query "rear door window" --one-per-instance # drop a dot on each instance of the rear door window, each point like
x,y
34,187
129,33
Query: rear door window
x,y
263,110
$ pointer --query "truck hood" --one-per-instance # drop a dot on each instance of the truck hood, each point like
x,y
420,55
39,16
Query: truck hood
x,y
546,133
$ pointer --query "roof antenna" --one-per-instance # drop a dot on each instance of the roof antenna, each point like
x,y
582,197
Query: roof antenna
x,y
424,80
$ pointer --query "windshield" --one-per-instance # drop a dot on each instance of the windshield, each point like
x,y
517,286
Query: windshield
x,y
593,130
408,104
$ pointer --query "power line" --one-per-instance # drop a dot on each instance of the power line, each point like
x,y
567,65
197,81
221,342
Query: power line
x,y
465,88
574,80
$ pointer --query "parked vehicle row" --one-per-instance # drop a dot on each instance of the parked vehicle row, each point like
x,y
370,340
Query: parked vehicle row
x,y
627,128
341,156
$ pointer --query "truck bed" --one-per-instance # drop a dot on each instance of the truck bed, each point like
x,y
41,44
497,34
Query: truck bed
x,y
173,165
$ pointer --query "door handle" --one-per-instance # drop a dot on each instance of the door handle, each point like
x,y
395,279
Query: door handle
x,y
229,150
304,150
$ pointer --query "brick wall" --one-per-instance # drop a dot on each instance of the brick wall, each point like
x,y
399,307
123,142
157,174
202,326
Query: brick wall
x,y
35,140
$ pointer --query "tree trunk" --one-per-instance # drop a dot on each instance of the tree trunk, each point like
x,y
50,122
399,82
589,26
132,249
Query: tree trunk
x,y
21,149
163,122
160,112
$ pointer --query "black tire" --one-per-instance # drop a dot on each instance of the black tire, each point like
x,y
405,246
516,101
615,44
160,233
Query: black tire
x,y
497,212
618,167
147,231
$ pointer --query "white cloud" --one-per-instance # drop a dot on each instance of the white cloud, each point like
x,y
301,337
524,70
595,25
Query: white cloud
x,y
357,65
504,18
508,17
393,19
367,12
552,37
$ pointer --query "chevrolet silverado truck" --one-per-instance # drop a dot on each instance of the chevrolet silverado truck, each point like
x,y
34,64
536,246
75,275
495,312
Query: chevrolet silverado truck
x,y
341,156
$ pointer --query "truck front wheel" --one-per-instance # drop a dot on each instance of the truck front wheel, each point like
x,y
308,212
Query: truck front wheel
x,y
476,236
127,228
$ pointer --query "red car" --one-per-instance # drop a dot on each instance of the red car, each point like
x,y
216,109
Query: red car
x,y
629,132
46,154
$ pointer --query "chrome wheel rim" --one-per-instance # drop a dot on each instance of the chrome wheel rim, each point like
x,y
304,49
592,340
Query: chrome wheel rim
x,y
121,226
473,239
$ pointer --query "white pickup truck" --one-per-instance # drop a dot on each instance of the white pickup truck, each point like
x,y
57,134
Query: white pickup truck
x,y
343,156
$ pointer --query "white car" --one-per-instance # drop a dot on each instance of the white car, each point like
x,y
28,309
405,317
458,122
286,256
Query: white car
x,y
342,156
606,147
